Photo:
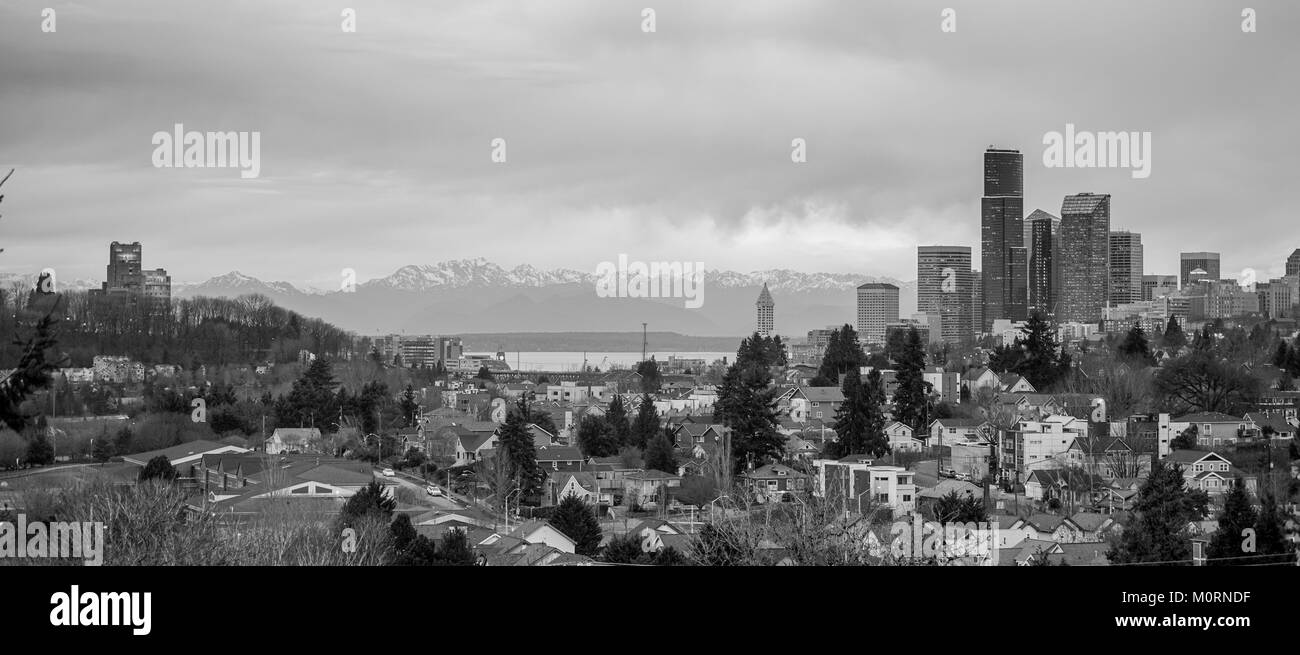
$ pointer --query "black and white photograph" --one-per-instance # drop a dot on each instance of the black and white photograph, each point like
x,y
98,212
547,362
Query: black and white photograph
x,y
315,296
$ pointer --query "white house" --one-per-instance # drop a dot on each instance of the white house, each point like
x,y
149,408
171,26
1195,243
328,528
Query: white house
x,y
901,439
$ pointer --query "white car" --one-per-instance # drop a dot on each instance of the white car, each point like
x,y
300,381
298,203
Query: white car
x,y
964,477
388,473
433,490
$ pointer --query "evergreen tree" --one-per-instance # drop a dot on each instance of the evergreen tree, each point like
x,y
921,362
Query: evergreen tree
x,y
843,352
910,398
778,356
1043,363
659,454
623,549
850,418
873,403
455,549
1163,510
651,379
646,424
1174,339
103,450
516,443
576,520
595,438
1282,355
1135,348
746,403
1270,531
158,468
370,500
39,450
616,418
1236,517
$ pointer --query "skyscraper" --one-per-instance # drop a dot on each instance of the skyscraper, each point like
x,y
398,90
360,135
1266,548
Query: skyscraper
x,y
1044,261
877,307
1154,286
1293,263
1085,253
766,314
944,286
977,302
1001,228
1125,267
1191,261
1017,305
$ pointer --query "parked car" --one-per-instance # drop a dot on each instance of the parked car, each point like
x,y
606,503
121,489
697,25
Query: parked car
x,y
433,490
948,473
388,473
964,477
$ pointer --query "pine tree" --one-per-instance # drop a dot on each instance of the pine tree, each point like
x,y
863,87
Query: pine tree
x,y
516,443
616,418
1270,531
1134,347
1236,517
646,424
158,468
1044,363
843,352
850,418
659,454
747,404
576,520
103,450
910,398
369,500
1174,339
594,438
1163,510
873,402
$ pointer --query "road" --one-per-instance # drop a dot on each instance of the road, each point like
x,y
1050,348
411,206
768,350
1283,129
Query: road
x,y
417,484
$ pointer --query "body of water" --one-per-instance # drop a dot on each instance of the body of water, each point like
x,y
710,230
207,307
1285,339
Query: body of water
x,y
572,361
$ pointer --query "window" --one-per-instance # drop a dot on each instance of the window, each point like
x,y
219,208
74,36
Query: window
x,y
1197,468
907,498
1207,428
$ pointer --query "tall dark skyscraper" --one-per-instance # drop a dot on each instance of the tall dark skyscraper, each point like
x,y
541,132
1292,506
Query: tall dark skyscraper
x,y
123,273
1002,211
1085,256
1192,261
1125,267
1293,263
1017,305
944,286
1044,262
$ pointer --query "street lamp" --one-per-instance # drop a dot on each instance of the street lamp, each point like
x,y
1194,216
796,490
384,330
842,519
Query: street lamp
x,y
508,506
860,500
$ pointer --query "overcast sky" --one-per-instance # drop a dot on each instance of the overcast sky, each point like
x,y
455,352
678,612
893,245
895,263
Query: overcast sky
x,y
375,146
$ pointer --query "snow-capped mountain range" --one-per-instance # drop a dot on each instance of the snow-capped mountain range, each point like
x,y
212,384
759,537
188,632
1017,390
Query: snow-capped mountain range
x,y
476,295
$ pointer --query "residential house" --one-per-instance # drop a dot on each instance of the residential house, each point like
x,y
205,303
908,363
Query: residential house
x,y
474,446
856,482
901,439
293,440
645,486
185,457
979,378
1014,383
582,484
1216,429
1276,426
947,431
815,403
542,532
773,481
560,458
1209,471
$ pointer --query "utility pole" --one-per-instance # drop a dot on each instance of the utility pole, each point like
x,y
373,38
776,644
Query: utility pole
x,y
643,341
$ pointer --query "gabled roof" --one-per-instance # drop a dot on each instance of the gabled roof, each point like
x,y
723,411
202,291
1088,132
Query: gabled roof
x,y
184,452
958,422
1191,456
651,474
559,454
1209,417
471,443
773,472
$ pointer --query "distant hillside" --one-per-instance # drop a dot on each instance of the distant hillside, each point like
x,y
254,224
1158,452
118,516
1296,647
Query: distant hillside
x,y
596,342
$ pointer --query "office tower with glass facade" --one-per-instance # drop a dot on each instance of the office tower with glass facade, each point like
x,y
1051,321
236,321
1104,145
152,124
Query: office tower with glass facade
x,y
877,307
1207,262
1001,229
1125,267
1085,256
944,287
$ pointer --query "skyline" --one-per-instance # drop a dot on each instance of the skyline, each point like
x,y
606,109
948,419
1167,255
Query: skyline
x,y
401,171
